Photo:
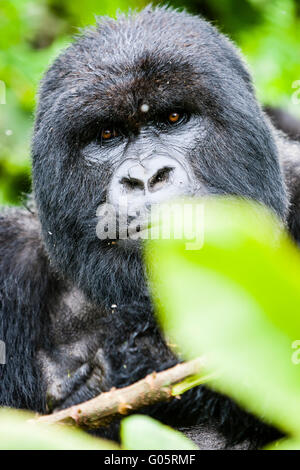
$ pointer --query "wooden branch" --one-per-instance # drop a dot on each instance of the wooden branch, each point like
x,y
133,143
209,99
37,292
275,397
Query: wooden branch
x,y
100,411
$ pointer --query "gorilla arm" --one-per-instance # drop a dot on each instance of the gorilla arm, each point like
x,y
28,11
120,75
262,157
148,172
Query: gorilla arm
x,y
49,349
25,285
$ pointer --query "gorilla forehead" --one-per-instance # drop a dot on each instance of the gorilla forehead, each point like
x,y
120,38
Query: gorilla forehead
x,y
115,96
161,56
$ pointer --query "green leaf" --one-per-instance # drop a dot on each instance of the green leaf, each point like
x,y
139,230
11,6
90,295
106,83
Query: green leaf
x,y
285,444
237,299
191,382
16,433
143,433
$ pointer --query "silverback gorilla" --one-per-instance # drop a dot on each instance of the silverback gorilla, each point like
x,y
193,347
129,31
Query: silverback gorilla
x,y
152,105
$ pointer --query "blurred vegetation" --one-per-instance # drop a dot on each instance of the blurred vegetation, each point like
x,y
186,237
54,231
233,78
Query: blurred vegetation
x,y
234,298
18,431
33,32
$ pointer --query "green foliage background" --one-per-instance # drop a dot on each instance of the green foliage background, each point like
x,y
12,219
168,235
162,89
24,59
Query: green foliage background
x,y
33,32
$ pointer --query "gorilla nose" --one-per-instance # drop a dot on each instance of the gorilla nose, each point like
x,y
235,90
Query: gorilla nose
x,y
154,180
154,183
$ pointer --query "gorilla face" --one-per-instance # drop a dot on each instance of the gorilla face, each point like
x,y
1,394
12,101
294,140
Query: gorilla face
x,y
146,107
150,165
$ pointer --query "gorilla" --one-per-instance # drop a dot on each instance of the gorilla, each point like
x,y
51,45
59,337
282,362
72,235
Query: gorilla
x,y
149,106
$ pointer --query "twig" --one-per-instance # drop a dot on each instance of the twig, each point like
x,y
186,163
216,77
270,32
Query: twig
x,y
100,411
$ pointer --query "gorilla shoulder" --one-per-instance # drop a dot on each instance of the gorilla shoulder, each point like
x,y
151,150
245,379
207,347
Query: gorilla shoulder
x,y
21,247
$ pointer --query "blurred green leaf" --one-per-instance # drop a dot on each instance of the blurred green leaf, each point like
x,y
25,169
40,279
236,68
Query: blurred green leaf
x,y
143,433
16,433
191,382
272,49
285,444
236,299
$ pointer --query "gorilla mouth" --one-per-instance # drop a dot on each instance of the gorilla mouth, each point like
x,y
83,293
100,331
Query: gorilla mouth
x,y
139,229
183,218
136,228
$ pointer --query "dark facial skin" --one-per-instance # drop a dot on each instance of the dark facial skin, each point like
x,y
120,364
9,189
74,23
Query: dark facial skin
x,y
148,167
151,164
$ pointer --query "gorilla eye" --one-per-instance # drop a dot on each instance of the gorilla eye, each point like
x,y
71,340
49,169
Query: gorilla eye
x,y
106,134
174,117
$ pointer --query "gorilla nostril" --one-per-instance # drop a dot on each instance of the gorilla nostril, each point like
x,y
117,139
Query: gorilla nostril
x,y
161,177
132,184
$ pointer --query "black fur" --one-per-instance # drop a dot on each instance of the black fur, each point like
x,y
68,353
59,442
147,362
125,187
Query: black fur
x,y
58,281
